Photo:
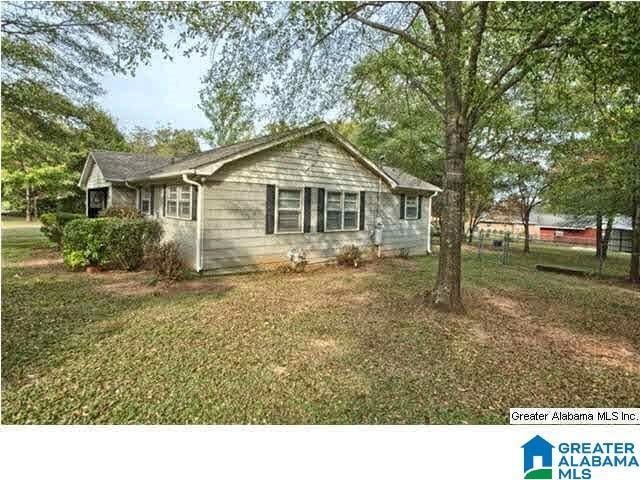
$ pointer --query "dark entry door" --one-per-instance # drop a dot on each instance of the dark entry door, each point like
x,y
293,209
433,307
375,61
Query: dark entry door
x,y
97,201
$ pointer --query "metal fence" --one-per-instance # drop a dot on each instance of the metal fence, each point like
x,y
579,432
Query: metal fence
x,y
620,240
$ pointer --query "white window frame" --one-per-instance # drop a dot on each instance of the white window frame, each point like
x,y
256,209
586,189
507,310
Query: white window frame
x,y
406,207
143,193
300,210
179,190
326,205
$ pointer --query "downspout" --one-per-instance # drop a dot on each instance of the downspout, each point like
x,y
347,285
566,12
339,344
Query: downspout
x,y
126,184
429,225
199,222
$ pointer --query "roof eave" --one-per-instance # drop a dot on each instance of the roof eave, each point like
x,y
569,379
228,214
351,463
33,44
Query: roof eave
x,y
404,188
85,170
162,176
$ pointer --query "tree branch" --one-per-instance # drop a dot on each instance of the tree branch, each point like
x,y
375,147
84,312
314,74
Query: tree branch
x,y
343,19
400,34
428,9
478,34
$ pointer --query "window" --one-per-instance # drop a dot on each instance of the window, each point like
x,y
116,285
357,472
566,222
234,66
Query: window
x,y
342,211
559,233
145,201
289,210
411,207
178,201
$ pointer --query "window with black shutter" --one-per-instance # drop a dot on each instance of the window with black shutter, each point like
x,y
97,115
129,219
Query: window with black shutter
x,y
270,219
320,219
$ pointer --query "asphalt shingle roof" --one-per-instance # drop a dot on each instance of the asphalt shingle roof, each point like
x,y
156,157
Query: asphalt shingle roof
x,y
216,154
404,180
578,222
123,165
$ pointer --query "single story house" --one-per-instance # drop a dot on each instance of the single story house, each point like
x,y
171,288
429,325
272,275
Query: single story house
x,y
502,224
581,230
242,207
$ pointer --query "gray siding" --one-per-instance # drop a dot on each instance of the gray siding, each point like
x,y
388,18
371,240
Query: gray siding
x,y
119,195
122,196
235,208
95,178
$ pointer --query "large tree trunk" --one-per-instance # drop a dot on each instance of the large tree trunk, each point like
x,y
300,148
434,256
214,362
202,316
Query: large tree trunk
x,y
525,223
634,266
607,236
28,202
447,295
599,235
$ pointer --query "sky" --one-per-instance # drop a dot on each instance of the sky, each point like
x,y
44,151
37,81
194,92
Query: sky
x,y
163,92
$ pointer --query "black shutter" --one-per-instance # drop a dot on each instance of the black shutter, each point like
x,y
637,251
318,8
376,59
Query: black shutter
x,y
362,209
320,219
164,200
420,207
307,210
194,202
402,206
139,199
270,218
152,202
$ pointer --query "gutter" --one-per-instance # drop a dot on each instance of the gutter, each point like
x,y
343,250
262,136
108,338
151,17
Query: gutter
x,y
126,184
199,222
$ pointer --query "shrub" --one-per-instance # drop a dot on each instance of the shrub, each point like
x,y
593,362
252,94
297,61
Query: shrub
x,y
110,241
165,261
53,225
121,212
350,255
404,253
297,259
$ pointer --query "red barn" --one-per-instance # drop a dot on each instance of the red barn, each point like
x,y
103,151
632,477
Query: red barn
x,y
582,230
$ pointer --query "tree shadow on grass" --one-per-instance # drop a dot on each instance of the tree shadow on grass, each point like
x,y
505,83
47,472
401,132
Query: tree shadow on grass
x,y
50,314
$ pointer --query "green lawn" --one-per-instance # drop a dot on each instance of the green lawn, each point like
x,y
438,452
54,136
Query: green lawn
x,y
327,346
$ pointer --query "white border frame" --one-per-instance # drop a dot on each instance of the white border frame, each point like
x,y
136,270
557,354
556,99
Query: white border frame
x,y
276,230
342,194
406,197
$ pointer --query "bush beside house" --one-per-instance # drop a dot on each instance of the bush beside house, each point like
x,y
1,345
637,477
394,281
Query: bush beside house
x,y
53,225
165,261
121,212
109,242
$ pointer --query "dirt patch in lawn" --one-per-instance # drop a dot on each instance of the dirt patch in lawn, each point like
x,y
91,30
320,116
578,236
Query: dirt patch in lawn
x,y
613,352
137,284
40,258
39,262
515,325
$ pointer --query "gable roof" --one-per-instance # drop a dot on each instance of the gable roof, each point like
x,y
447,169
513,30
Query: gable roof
x,y
199,159
119,166
578,222
208,162
409,182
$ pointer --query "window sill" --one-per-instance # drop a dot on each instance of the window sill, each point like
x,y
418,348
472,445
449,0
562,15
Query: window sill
x,y
170,217
341,230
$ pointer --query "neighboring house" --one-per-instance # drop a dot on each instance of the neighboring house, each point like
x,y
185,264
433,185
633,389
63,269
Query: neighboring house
x,y
241,207
502,224
582,230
